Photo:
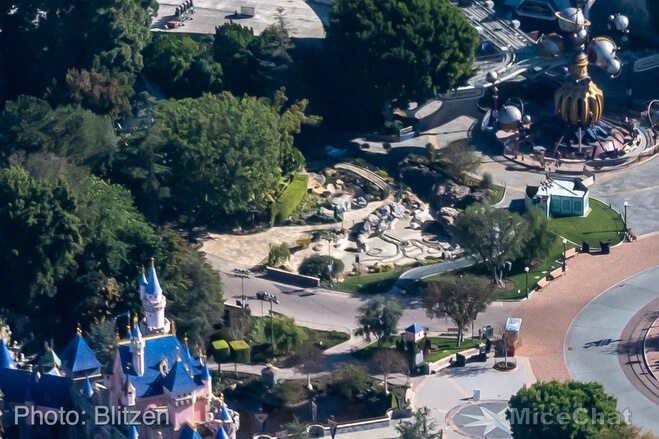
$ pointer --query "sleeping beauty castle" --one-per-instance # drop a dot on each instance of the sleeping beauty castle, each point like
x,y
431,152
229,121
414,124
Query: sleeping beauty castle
x,y
154,388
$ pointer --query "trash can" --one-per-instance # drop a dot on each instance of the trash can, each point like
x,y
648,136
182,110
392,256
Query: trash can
x,y
606,248
488,331
460,360
585,247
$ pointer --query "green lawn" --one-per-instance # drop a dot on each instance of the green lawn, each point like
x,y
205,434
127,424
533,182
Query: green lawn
x,y
442,347
372,283
497,193
602,224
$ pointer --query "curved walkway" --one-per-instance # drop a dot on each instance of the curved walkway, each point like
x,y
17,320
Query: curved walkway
x,y
547,315
408,278
602,345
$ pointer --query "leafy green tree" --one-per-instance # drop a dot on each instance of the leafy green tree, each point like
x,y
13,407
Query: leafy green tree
x,y
102,339
271,52
226,153
493,235
278,254
230,50
287,334
567,407
296,430
98,92
115,32
420,428
379,318
39,236
458,159
140,164
29,125
316,265
381,51
653,9
541,237
460,298
181,66
194,292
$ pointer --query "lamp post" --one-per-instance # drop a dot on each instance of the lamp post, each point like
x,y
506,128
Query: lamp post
x,y
492,77
242,274
564,250
526,269
625,204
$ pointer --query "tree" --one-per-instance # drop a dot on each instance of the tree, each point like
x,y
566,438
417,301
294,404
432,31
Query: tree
x,y
29,125
271,51
194,292
98,92
653,9
102,339
296,430
493,235
541,237
459,298
458,159
225,154
287,334
386,362
39,237
181,66
576,410
317,265
384,51
349,379
278,254
378,318
230,50
420,428
310,360
625,432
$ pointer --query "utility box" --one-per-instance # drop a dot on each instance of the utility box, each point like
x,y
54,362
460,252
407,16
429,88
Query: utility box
x,y
248,10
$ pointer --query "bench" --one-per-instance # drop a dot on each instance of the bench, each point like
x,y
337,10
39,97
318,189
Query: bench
x,y
557,273
571,253
630,235
542,283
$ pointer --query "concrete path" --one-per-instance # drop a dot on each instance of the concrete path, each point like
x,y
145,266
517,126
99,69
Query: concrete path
x,y
593,340
408,278
453,387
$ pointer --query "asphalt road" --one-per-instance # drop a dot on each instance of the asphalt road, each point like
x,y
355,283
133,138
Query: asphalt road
x,y
592,344
325,309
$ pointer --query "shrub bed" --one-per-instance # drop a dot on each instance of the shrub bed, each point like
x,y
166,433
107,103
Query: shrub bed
x,y
289,199
240,352
221,351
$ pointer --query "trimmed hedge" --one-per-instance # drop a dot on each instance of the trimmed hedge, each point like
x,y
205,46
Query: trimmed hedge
x,y
221,351
289,199
240,351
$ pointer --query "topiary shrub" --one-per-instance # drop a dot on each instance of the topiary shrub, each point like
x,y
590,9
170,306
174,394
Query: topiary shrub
x,y
289,199
240,351
386,145
221,351
365,146
316,265
303,242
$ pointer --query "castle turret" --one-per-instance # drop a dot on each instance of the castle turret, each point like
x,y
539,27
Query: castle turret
x,y
154,304
128,397
137,346
207,379
143,285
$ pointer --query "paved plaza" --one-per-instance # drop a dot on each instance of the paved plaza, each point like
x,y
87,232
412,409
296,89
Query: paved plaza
x,y
300,17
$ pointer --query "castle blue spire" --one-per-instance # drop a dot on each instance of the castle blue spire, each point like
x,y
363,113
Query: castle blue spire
x,y
153,286
226,415
222,434
132,433
189,432
143,281
87,389
205,374
78,357
6,362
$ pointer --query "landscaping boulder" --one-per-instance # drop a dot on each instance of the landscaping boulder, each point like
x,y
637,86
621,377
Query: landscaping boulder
x,y
447,193
477,196
448,211
397,210
419,177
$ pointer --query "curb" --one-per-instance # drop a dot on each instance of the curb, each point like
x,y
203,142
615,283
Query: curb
x,y
645,356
